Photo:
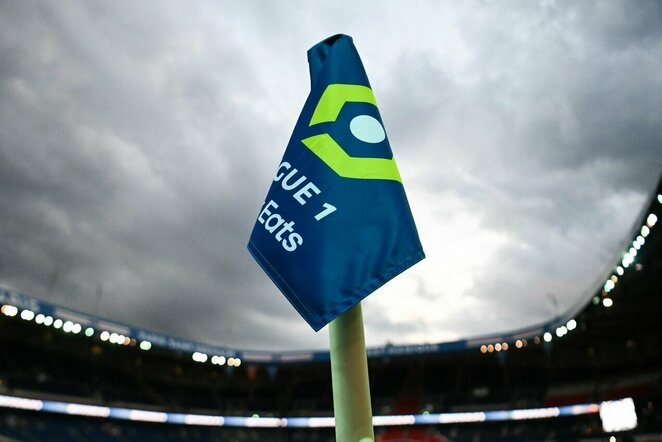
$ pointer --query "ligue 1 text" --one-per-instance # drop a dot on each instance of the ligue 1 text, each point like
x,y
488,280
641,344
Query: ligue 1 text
x,y
303,190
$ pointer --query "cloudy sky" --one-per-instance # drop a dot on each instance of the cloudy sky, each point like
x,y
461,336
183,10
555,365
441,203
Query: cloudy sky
x,y
138,141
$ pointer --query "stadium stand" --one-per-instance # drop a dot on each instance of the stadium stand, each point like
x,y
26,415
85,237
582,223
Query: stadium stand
x,y
609,348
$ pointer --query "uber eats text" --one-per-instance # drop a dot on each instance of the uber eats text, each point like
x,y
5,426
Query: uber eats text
x,y
303,190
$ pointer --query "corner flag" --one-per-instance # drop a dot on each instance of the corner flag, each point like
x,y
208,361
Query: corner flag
x,y
335,225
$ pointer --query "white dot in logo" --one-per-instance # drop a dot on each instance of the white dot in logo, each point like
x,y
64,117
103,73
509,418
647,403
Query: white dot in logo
x,y
367,129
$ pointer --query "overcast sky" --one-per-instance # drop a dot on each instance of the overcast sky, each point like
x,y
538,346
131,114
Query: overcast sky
x,y
138,141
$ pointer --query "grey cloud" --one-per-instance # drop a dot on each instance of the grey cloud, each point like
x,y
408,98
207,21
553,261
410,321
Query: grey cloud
x,y
137,142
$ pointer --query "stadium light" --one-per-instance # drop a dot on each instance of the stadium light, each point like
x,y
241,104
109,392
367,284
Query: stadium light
x,y
651,220
572,324
561,331
218,360
607,302
68,326
147,416
40,318
645,231
200,419
627,260
620,270
118,339
27,315
87,410
89,331
199,357
21,403
9,310
618,415
145,345
547,337
612,414
104,336
57,323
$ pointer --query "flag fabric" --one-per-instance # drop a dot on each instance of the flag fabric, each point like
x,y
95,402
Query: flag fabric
x,y
335,224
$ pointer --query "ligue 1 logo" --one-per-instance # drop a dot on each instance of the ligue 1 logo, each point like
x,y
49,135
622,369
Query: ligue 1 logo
x,y
364,127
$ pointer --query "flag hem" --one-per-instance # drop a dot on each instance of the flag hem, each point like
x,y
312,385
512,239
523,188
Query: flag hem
x,y
318,322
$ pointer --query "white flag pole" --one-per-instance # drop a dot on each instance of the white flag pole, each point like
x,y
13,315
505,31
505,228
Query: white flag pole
x,y
349,376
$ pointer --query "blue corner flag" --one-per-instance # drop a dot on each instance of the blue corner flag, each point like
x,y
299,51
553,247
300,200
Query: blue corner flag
x,y
335,225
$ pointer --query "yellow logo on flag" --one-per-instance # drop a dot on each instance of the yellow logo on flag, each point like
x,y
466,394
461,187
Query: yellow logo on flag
x,y
331,153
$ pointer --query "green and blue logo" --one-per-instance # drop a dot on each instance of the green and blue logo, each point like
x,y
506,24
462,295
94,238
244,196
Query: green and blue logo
x,y
364,127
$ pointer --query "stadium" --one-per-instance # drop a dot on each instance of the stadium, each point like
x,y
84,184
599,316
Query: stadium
x,y
508,262
591,374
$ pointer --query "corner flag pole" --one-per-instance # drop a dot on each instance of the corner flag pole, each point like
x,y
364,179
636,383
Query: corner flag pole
x,y
349,377
348,252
